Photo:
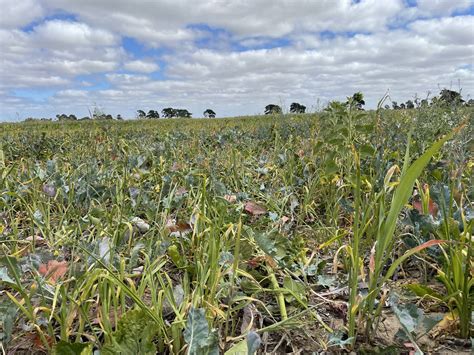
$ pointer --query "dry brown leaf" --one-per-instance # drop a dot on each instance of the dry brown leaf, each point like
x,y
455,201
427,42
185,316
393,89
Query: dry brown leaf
x,y
54,270
230,198
432,207
254,209
38,240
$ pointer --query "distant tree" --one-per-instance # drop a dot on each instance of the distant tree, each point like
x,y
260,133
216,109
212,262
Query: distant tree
x,y
141,114
395,105
424,103
152,114
272,109
410,105
62,117
169,112
107,117
72,118
470,103
119,117
84,118
209,113
183,113
450,97
387,107
358,99
402,106
295,107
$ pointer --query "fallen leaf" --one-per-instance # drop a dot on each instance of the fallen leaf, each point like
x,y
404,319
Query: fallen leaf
x,y
254,209
178,227
230,198
181,191
54,270
432,207
49,190
38,240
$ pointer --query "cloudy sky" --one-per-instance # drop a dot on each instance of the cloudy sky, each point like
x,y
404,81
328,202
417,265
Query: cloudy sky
x,y
234,56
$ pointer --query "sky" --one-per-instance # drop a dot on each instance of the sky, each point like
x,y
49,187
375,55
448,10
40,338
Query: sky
x,y
233,56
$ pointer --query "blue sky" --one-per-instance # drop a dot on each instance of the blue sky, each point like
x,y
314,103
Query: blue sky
x,y
66,56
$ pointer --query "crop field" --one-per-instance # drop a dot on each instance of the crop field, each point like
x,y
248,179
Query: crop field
x,y
337,231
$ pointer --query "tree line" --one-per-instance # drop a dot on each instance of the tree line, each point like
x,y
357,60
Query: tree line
x,y
446,97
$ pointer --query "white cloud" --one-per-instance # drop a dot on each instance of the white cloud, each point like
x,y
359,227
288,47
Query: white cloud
x,y
208,60
60,34
442,7
141,66
16,13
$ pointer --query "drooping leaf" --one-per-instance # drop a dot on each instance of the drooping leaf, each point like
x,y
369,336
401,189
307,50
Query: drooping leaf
x,y
253,342
297,291
423,291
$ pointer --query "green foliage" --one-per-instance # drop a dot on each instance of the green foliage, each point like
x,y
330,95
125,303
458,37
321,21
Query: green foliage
x,y
65,348
134,335
197,335
152,218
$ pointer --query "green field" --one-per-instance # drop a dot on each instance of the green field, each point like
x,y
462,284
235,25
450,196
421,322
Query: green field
x,y
281,233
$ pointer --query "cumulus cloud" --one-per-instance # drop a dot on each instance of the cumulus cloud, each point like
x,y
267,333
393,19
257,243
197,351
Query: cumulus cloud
x,y
141,66
16,13
234,56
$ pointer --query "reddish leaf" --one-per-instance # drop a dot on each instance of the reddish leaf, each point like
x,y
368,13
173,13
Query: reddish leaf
x,y
54,270
428,244
174,226
254,209
432,207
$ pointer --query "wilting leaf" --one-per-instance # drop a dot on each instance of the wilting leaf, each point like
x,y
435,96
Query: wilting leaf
x,y
197,335
326,280
254,209
54,270
49,190
336,339
142,226
432,207
134,335
298,291
4,275
65,348
247,346
7,319
253,342
105,248
409,315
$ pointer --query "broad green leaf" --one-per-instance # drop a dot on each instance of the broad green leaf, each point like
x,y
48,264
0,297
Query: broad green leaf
x,y
298,291
4,275
7,319
134,335
197,335
423,290
403,193
65,348
253,342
